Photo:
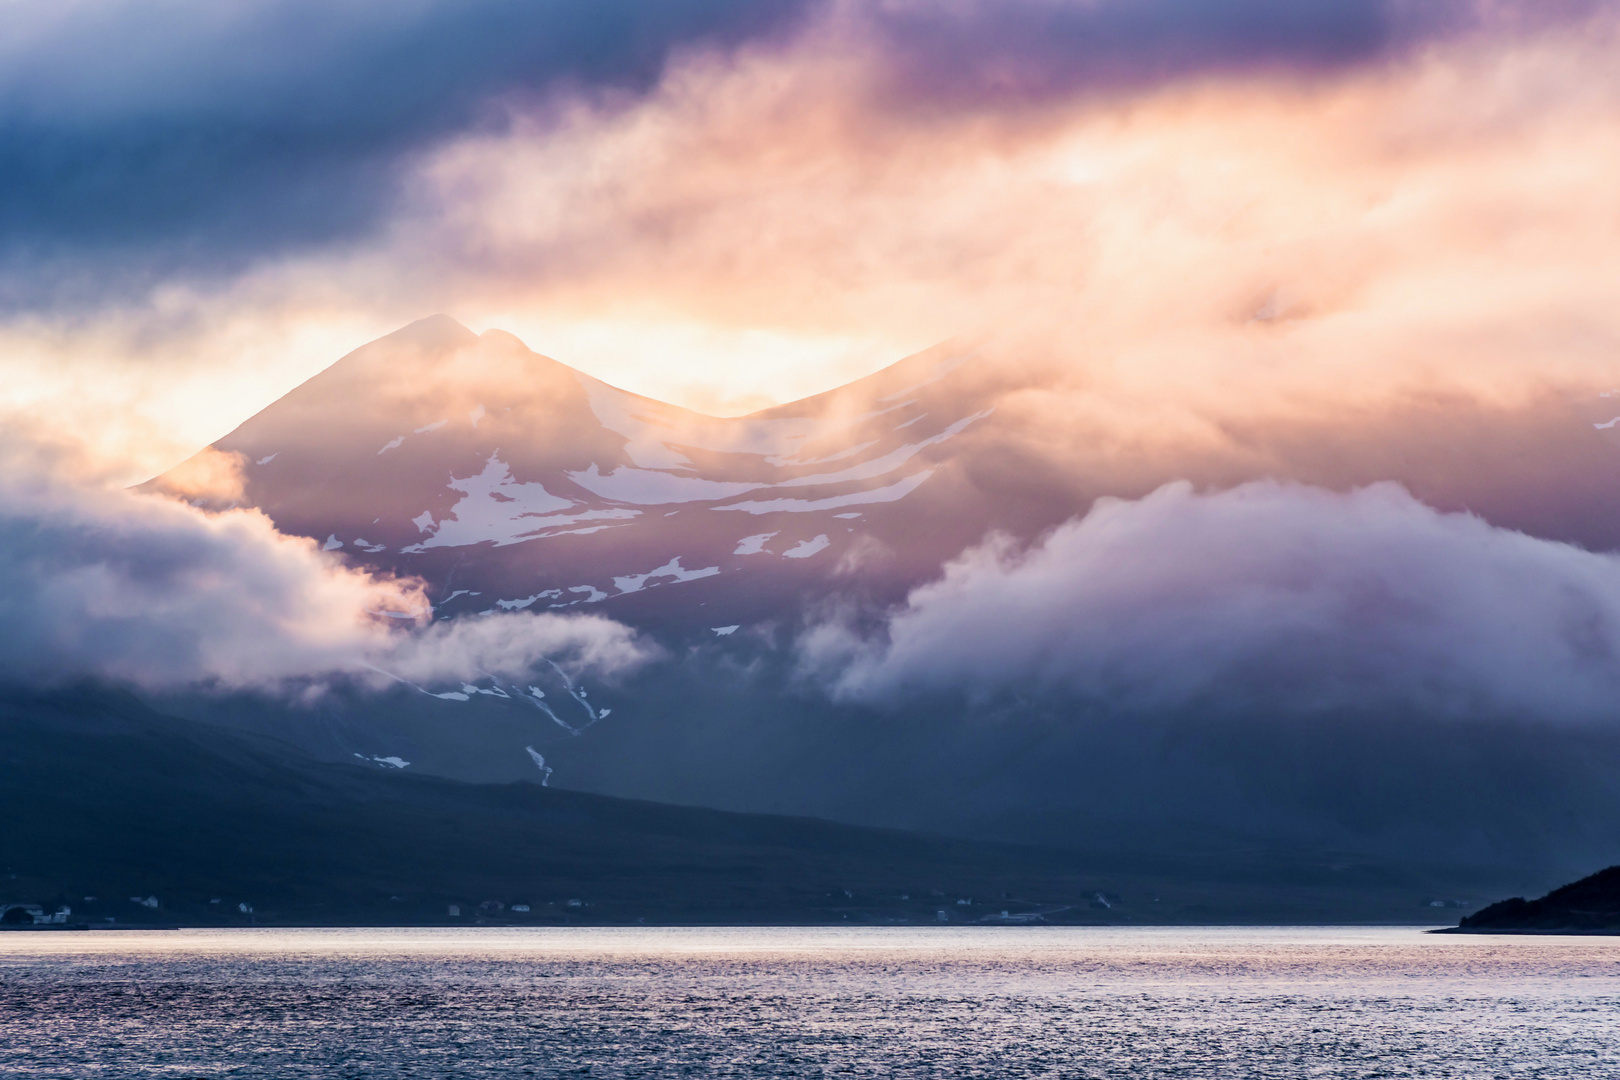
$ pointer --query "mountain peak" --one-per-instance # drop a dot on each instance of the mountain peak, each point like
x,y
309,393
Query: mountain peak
x,y
503,339
433,333
507,480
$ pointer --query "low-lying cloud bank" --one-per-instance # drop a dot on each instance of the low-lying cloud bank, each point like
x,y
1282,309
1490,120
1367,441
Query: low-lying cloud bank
x,y
151,591
1270,596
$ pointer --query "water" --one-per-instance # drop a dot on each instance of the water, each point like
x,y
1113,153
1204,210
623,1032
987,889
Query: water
x,y
1005,1002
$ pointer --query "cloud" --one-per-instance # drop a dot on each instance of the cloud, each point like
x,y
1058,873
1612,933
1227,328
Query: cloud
x,y
509,645
199,136
1211,244
150,591
978,54
983,51
209,477
1224,239
192,139
1269,597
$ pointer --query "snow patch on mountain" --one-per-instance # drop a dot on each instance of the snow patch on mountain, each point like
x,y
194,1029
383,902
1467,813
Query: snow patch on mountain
x,y
540,763
580,532
638,421
496,507
519,605
890,493
650,487
646,487
753,545
595,594
630,583
806,548
493,691
881,466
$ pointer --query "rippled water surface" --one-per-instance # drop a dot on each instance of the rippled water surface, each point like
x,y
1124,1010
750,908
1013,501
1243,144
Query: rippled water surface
x,y
1002,1002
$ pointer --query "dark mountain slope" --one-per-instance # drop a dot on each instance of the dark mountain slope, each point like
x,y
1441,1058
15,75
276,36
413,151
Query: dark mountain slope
x,y
102,797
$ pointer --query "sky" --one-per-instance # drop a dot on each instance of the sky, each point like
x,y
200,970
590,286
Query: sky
x,y
729,204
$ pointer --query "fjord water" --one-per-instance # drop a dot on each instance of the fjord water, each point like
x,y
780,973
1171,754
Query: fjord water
x,y
1005,1002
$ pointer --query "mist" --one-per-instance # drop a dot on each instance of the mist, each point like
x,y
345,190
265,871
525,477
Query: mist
x,y
150,591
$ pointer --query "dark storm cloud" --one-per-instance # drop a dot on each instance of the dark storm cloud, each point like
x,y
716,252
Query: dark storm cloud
x,y
140,141
1033,49
159,137
994,51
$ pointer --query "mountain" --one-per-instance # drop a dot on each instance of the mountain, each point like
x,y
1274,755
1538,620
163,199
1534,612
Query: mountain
x,y
508,481
131,817
1588,906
